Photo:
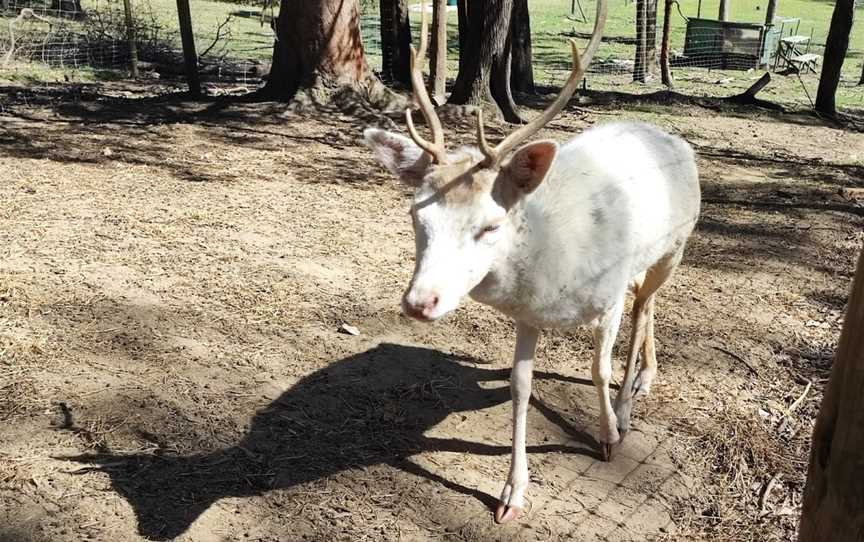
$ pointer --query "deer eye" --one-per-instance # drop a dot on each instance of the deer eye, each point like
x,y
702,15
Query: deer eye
x,y
488,229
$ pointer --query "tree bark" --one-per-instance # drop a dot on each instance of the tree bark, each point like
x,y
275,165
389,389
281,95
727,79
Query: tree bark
x,y
190,57
833,507
665,72
317,45
723,11
651,38
835,52
395,42
130,38
464,31
438,51
639,62
485,75
522,76
770,12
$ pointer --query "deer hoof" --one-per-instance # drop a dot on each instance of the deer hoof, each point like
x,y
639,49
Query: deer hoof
x,y
505,513
609,449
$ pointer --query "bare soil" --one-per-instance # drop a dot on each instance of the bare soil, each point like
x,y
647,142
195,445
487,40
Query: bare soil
x,y
174,275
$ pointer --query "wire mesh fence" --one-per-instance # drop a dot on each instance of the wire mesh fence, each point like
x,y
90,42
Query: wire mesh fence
x,y
233,44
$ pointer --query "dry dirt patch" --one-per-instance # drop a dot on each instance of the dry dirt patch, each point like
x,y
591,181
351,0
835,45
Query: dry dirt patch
x,y
173,276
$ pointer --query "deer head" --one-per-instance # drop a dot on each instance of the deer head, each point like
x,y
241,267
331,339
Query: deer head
x,y
464,207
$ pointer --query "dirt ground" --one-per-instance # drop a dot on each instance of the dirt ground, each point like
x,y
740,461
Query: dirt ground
x,y
174,275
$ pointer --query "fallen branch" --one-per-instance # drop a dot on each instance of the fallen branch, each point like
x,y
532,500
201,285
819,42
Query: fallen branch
x,y
748,97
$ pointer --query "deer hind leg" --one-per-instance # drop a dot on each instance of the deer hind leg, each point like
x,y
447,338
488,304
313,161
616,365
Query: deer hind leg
x,y
642,339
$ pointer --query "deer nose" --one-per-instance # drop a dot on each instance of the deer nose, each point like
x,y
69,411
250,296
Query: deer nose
x,y
420,306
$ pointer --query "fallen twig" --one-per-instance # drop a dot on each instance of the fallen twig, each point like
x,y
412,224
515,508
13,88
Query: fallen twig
x,y
739,358
766,493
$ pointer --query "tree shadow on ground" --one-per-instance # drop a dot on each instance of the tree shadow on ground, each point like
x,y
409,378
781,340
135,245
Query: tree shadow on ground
x,y
372,408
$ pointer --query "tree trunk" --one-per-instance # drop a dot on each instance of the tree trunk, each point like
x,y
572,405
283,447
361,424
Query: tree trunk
x,y
438,51
835,52
639,67
130,38
395,42
485,75
665,73
190,57
522,76
317,46
650,39
861,81
464,31
770,12
67,8
723,12
833,507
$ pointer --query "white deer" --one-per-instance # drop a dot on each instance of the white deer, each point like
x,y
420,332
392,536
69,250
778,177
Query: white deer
x,y
554,237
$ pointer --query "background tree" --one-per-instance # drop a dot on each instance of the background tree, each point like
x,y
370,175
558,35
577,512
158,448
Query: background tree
x,y
645,61
395,42
484,67
438,52
522,69
861,81
835,52
317,47
770,12
833,507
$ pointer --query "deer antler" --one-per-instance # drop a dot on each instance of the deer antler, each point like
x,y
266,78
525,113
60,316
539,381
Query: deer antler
x,y
436,148
580,64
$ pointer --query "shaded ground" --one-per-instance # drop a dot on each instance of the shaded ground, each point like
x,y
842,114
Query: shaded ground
x,y
173,277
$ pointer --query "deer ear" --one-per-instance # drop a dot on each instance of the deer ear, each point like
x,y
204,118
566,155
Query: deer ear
x,y
529,166
399,154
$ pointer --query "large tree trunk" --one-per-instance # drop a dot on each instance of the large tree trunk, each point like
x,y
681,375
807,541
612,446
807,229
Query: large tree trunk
x,y
438,51
484,77
833,507
522,76
395,42
317,46
464,31
835,52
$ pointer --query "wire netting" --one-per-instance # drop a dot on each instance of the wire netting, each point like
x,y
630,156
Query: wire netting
x,y
233,43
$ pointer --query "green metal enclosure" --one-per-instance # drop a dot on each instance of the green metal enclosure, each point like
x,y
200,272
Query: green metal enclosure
x,y
710,43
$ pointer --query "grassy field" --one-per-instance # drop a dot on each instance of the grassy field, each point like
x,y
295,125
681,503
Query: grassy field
x,y
249,37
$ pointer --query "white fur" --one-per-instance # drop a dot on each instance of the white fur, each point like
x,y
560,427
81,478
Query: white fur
x,y
619,200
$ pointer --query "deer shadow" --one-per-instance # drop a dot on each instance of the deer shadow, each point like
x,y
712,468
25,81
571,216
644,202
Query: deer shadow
x,y
368,409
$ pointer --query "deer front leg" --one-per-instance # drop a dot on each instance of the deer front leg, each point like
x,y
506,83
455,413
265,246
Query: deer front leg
x,y
513,496
605,331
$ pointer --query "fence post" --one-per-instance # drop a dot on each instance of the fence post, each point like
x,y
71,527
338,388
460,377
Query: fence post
x,y
130,34
190,57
